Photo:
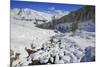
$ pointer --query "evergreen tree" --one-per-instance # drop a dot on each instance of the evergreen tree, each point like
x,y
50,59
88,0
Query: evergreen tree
x,y
74,26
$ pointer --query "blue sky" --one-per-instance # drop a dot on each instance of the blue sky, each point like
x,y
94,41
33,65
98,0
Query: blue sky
x,y
41,6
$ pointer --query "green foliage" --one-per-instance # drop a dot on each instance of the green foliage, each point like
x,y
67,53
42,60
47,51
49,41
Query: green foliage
x,y
74,26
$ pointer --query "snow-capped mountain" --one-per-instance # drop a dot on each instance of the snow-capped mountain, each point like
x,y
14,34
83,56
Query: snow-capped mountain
x,y
30,15
60,14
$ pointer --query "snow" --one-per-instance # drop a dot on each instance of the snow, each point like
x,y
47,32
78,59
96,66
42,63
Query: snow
x,y
29,14
51,59
24,33
84,39
66,59
49,47
71,50
60,14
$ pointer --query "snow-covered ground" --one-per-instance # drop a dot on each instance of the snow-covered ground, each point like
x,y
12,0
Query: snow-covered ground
x,y
49,47
23,35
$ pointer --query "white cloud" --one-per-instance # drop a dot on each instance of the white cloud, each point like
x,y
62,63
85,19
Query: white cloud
x,y
51,8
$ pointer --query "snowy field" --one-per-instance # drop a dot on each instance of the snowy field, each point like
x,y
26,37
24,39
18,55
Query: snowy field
x,y
31,45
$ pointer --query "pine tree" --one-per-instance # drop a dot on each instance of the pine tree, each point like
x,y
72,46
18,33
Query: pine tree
x,y
74,26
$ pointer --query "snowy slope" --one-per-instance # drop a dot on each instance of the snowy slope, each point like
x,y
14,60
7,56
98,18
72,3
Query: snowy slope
x,y
65,48
27,13
49,47
62,48
24,33
60,14
22,36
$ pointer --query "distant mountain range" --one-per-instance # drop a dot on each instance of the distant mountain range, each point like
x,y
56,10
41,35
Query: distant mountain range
x,y
27,14
83,14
